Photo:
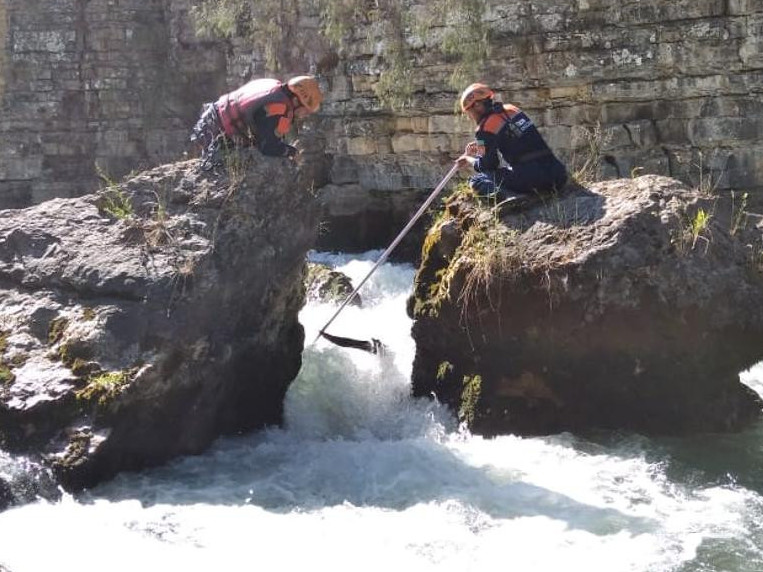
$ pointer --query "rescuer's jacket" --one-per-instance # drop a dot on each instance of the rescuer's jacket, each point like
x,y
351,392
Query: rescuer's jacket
x,y
259,112
507,130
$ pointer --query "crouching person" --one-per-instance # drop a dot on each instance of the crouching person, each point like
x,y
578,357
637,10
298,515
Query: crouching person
x,y
505,131
258,114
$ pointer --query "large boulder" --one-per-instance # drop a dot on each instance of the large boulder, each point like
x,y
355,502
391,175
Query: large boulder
x,y
633,304
144,321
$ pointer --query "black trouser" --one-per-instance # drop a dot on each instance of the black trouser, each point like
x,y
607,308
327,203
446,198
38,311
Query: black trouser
x,y
536,176
207,128
209,136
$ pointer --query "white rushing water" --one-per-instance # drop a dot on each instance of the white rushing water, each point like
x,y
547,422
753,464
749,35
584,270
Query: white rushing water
x,y
362,477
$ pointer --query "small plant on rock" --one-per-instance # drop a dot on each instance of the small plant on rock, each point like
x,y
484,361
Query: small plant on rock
x,y
56,329
156,229
698,228
470,396
586,163
708,178
104,387
115,203
112,200
738,213
693,229
7,377
443,370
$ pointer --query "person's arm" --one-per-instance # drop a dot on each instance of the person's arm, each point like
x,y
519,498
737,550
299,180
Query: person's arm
x,y
274,147
474,149
271,126
465,160
489,161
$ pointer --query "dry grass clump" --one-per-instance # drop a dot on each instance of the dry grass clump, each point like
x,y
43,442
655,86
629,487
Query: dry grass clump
x,y
588,145
487,252
495,246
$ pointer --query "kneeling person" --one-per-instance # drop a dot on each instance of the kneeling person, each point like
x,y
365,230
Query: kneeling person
x,y
508,131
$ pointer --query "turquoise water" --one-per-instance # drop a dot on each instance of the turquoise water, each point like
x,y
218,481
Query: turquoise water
x,y
364,477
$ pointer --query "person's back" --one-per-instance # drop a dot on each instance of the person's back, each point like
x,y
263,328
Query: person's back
x,y
260,113
238,110
517,137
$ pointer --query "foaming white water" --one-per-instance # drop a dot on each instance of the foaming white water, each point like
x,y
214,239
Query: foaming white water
x,y
350,393
753,377
364,477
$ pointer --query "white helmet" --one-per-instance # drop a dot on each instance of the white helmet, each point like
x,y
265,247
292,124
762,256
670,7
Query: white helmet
x,y
307,90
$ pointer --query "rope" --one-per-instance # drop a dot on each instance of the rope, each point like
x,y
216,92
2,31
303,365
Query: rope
x,y
392,246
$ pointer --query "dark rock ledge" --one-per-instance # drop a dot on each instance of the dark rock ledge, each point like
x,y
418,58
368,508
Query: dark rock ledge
x,y
633,305
144,321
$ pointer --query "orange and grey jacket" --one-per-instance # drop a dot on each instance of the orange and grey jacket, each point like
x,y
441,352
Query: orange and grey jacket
x,y
260,111
508,130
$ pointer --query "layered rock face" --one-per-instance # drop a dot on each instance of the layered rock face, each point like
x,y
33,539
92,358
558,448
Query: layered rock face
x,y
632,304
89,86
671,88
144,321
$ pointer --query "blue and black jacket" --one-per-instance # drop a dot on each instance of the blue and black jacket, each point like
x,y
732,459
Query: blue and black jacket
x,y
507,130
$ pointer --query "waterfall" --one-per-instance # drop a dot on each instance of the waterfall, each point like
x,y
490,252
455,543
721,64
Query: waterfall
x,y
363,476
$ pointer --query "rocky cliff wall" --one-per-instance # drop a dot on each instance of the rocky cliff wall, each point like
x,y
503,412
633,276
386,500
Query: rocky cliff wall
x,y
670,88
89,86
674,86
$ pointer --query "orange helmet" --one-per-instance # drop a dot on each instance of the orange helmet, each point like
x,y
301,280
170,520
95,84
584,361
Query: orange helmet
x,y
474,93
306,88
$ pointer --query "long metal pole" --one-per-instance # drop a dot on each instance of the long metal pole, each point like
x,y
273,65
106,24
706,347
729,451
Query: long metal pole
x,y
392,246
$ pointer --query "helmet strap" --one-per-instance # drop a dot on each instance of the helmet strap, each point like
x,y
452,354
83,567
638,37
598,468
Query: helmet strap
x,y
487,106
